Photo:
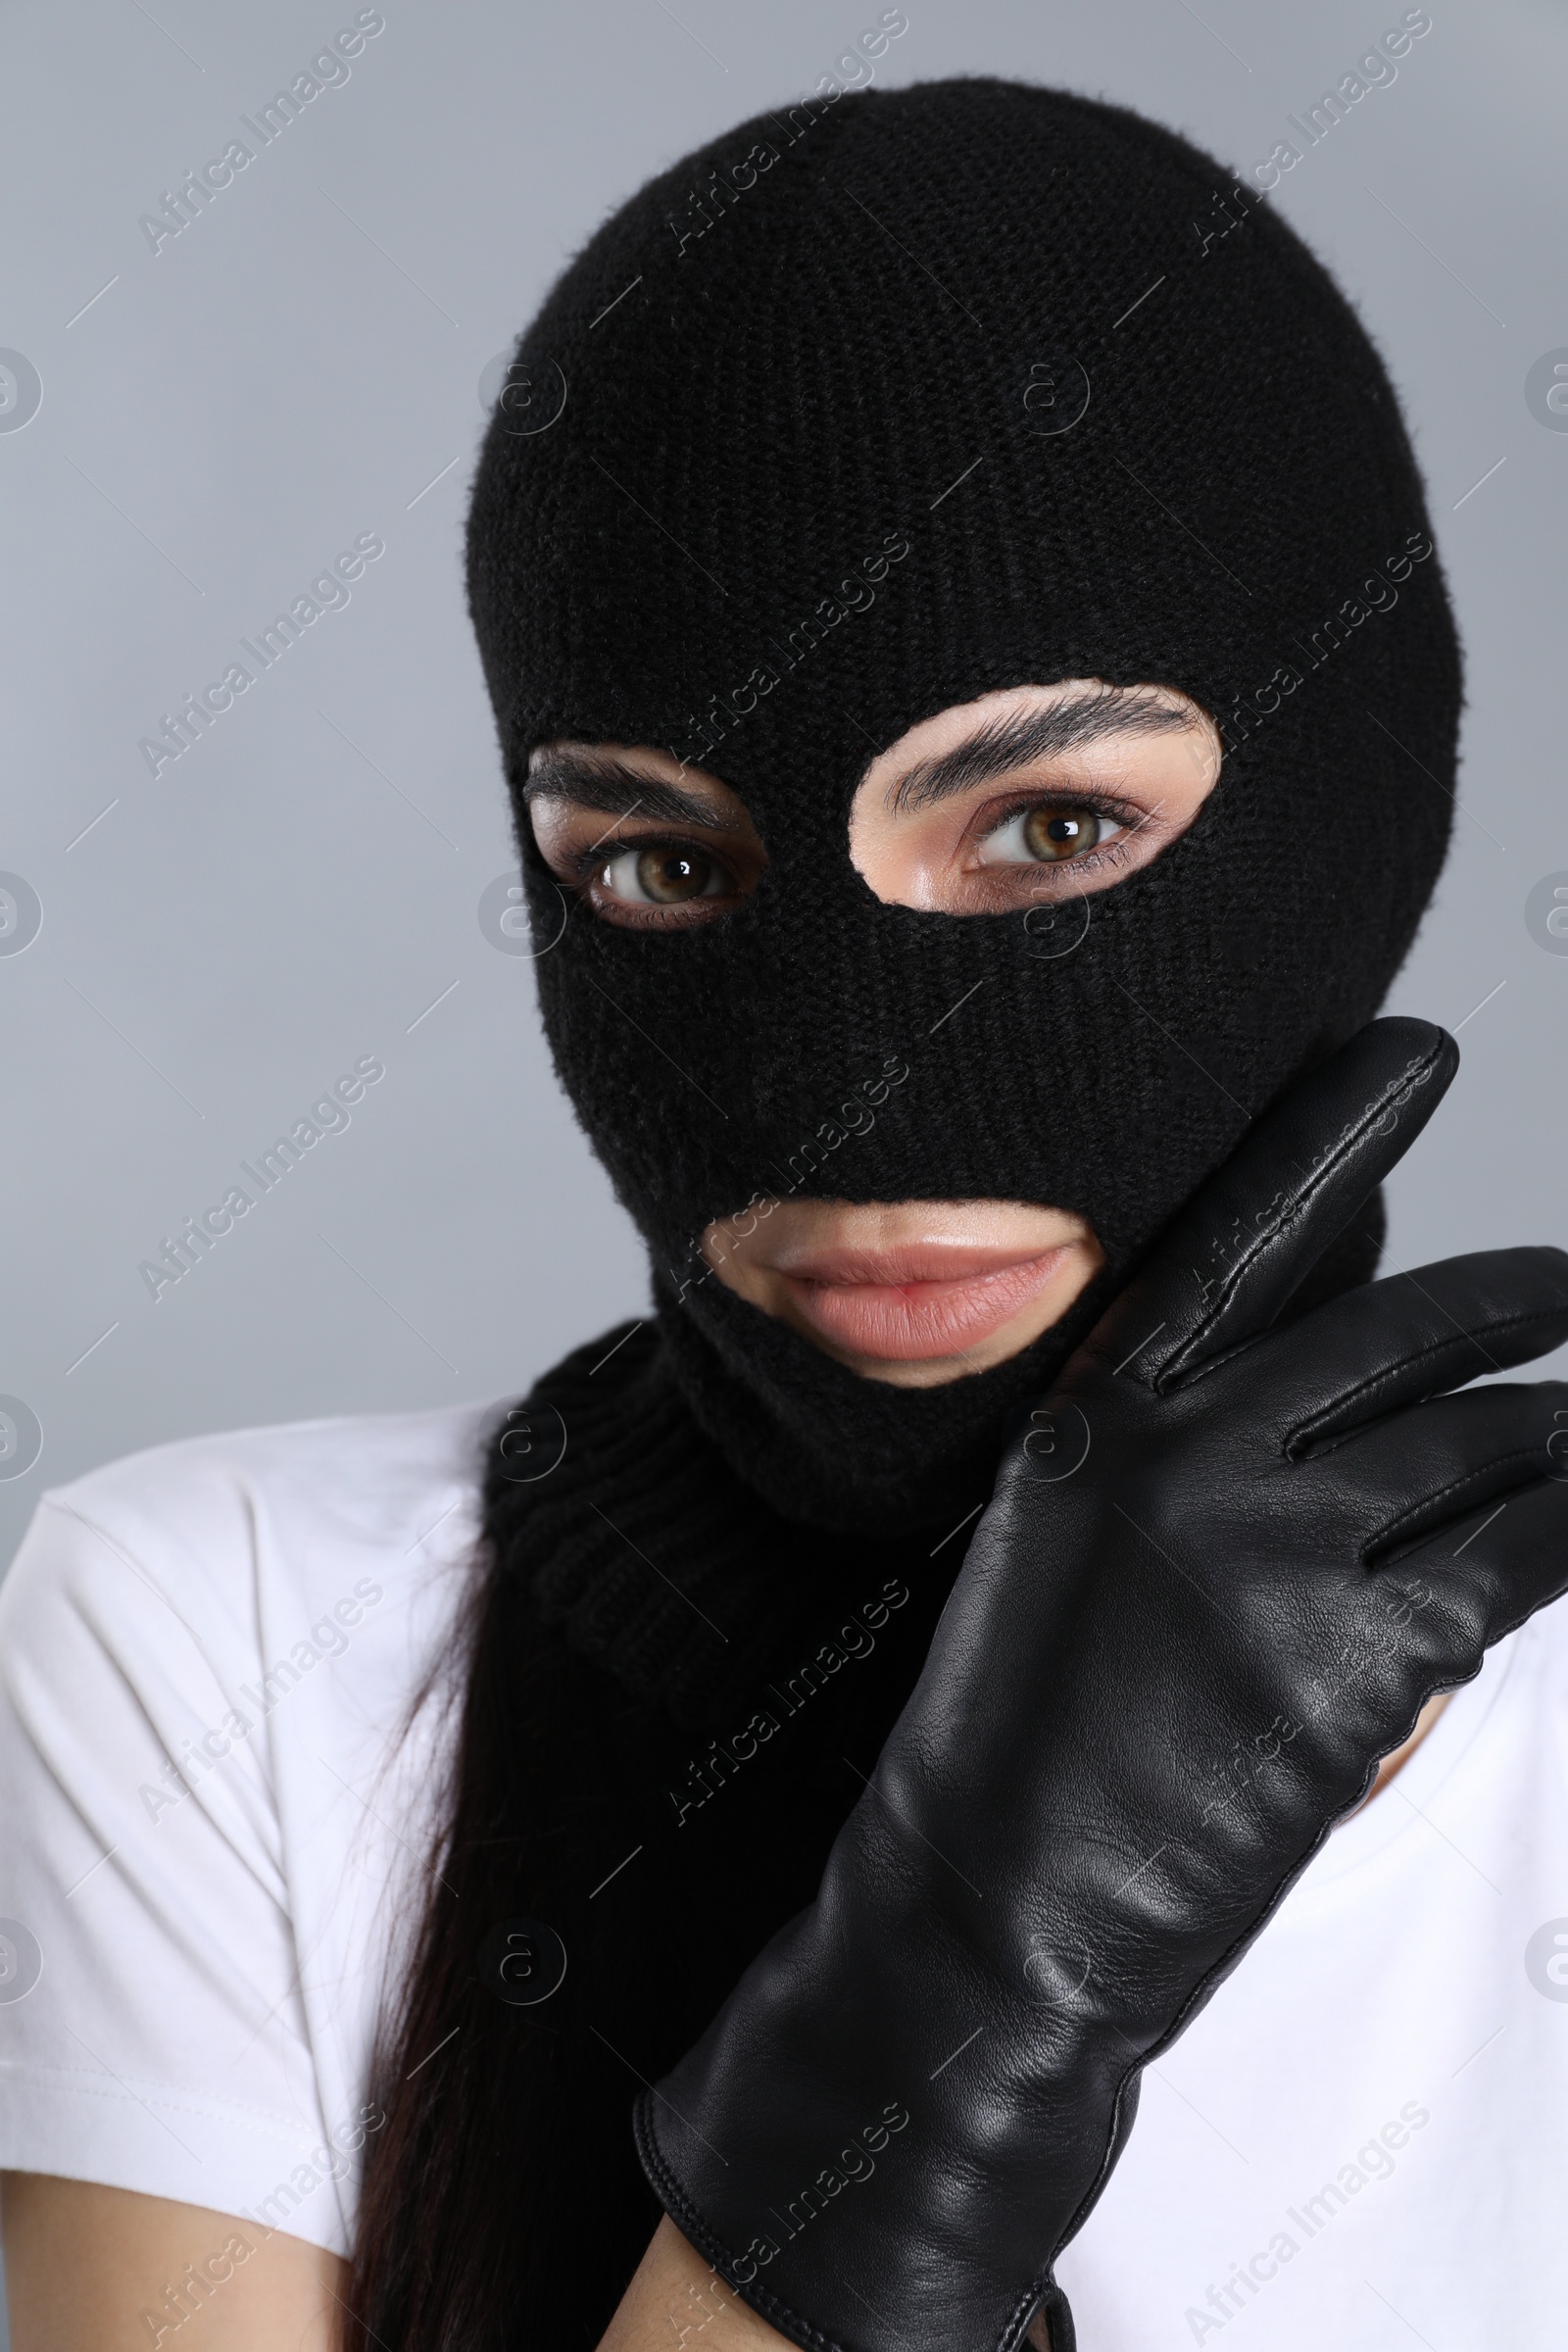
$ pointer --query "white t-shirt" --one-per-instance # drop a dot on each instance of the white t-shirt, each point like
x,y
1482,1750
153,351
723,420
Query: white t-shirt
x,y
1362,2142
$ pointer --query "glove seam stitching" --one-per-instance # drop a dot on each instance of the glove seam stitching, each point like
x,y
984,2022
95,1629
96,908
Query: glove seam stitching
x,y
677,2203
1414,1074
1302,1435
1418,1511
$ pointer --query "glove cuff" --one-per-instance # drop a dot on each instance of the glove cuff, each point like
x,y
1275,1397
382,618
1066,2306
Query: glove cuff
x,y
745,2271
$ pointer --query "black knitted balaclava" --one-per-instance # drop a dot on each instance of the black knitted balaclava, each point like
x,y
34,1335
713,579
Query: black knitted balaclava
x,y
868,409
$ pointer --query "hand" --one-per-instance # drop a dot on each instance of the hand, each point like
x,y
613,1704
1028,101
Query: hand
x,y
1224,1568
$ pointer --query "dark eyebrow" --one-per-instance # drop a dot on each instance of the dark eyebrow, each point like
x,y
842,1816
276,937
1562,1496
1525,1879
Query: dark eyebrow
x,y
1002,745
617,789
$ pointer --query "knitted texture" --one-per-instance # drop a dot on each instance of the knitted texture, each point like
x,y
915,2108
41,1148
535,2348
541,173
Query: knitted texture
x,y
650,1557
782,492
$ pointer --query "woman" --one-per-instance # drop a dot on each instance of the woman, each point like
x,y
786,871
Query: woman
x,y
980,701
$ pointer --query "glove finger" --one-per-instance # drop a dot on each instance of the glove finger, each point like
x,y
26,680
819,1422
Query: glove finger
x,y
1423,1623
1240,1249
1387,1344
1428,1470
1494,1569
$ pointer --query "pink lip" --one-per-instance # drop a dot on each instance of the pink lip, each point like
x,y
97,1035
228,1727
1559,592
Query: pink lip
x,y
907,1305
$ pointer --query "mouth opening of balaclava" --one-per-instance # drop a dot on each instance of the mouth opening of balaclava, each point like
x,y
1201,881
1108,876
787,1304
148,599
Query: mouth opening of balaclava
x,y
866,410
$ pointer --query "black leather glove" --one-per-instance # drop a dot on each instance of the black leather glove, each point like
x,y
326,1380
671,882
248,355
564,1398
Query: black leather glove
x,y
1223,1570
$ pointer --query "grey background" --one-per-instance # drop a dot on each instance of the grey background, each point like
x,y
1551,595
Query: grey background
x,y
300,365
294,369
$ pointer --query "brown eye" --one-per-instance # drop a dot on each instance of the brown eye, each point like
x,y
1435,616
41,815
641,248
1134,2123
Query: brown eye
x,y
1053,834
1049,833
671,874
665,874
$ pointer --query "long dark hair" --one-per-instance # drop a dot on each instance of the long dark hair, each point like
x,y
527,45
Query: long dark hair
x,y
467,2217
503,2202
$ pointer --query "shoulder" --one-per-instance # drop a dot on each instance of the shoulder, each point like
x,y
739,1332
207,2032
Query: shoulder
x,y
364,1472
223,1532
159,1608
